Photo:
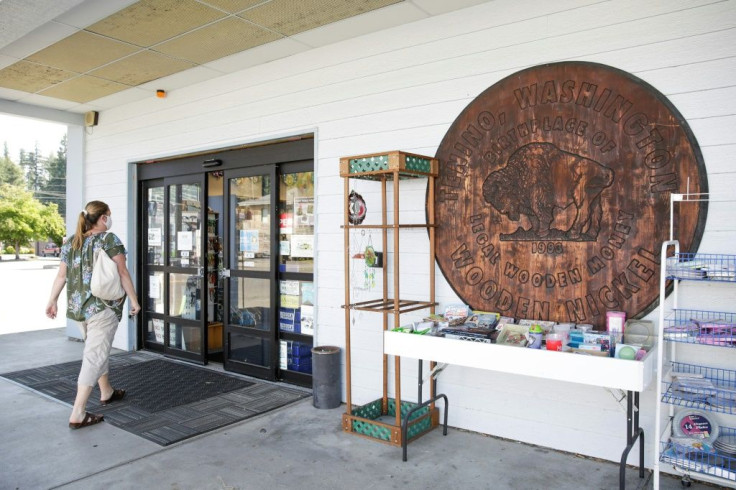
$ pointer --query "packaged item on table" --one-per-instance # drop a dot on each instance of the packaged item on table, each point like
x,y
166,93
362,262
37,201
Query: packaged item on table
x,y
503,321
512,334
483,319
456,312
602,339
640,332
534,337
465,334
625,351
545,324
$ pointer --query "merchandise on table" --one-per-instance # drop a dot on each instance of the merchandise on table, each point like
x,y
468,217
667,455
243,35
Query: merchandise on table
x,y
512,334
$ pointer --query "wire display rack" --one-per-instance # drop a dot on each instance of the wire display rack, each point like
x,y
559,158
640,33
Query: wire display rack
x,y
710,267
715,328
714,463
695,386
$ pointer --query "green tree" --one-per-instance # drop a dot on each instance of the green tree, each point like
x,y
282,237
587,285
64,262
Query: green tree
x,y
53,224
23,218
32,164
10,172
53,189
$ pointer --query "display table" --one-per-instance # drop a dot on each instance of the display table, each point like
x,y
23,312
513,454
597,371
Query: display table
x,y
630,376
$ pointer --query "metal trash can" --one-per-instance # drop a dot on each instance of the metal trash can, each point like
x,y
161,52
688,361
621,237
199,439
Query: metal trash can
x,y
326,387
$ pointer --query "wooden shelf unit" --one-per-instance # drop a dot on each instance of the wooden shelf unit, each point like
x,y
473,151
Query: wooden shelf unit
x,y
383,168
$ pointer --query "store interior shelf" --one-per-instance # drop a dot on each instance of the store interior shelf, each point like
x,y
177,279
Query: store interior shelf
x,y
711,389
387,305
714,328
720,465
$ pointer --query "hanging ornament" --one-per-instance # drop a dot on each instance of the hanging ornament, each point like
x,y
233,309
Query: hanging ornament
x,y
370,256
356,208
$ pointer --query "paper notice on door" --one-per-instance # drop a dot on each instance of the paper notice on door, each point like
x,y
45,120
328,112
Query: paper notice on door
x,y
289,301
154,237
248,240
307,319
184,240
154,287
289,287
302,245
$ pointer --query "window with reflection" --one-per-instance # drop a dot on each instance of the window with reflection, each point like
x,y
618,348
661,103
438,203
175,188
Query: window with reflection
x,y
184,300
250,204
249,303
155,330
249,349
186,338
296,222
295,356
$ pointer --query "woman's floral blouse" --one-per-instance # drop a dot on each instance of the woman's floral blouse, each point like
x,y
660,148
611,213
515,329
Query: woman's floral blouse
x,y
81,305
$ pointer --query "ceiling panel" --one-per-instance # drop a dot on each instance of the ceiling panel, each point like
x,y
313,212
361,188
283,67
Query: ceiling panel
x,y
141,68
289,17
83,89
103,53
31,77
149,22
233,6
16,23
217,40
82,52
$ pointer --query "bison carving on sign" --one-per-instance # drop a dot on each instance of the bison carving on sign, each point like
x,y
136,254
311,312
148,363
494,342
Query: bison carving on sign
x,y
540,180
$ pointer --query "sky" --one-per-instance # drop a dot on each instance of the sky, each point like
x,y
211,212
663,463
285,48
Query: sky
x,y
21,132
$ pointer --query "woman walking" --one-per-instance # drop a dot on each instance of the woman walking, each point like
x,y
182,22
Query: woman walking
x,y
98,319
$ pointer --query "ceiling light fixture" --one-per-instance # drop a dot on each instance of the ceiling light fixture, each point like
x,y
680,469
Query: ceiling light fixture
x,y
161,93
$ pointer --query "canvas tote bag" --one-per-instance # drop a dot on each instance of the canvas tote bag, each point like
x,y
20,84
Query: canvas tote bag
x,y
105,283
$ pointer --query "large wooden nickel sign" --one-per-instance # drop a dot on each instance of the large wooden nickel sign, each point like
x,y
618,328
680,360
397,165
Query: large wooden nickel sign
x,y
553,195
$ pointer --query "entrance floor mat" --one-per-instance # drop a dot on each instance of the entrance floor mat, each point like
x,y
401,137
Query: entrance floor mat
x,y
166,401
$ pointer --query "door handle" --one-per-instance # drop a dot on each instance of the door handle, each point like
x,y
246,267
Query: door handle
x,y
225,273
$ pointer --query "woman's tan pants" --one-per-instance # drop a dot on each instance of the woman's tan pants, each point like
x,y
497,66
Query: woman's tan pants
x,y
100,329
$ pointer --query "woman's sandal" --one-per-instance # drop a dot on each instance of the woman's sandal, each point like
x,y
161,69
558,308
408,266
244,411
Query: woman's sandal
x,y
89,419
116,395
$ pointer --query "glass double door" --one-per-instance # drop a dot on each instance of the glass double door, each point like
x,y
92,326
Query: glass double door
x,y
174,267
228,268
210,269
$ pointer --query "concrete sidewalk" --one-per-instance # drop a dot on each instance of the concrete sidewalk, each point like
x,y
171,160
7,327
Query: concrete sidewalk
x,y
296,447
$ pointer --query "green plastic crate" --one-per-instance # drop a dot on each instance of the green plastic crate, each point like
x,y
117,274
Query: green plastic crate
x,y
372,411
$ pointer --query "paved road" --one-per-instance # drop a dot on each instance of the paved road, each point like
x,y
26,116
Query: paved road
x,y
24,290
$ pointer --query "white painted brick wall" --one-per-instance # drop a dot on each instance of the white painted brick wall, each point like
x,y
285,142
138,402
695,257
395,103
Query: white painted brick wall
x,y
401,89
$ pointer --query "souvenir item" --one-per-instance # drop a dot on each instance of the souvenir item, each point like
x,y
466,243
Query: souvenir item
x,y
512,334
535,337
695,424
356,208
